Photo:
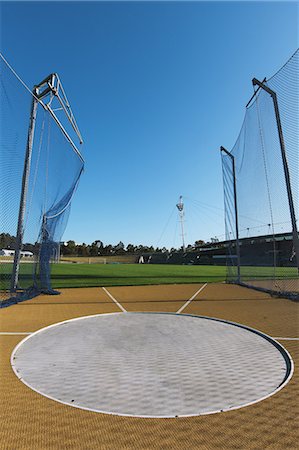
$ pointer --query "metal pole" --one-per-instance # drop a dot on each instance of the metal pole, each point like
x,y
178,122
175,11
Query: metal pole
x,y
236,213
285,166
180,207
25,181
183,236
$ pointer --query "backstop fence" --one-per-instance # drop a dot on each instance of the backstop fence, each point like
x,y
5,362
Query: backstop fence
x,y
40,171
261,182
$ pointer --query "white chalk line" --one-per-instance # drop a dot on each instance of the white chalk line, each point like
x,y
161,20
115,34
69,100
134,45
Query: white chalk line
x,y
192,298
114,299
14,333
286,339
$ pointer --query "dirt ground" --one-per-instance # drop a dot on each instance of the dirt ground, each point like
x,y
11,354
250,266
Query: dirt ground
x,y
32,421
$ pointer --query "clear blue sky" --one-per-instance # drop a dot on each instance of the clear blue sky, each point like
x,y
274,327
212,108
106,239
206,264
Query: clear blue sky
x,y
156,88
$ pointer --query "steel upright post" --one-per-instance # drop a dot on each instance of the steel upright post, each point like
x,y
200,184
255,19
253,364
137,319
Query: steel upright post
x,y
222,149
285,165
25,181
180,207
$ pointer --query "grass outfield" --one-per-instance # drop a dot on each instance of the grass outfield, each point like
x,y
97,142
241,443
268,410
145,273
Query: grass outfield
x,y
83,275
92,275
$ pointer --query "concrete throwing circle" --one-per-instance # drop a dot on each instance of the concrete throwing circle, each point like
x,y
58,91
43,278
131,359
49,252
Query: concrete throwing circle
x,y
152,364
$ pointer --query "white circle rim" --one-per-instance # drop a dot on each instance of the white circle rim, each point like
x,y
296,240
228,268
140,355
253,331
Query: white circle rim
x,y
286,355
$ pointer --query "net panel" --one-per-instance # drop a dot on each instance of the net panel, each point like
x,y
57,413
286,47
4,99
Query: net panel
x,y
54,174
267,253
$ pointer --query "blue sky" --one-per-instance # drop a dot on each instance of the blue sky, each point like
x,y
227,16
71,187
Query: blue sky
x,y
156,88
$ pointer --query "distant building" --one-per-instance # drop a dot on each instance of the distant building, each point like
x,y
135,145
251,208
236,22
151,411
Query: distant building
x,y
7,252
26,254
10,252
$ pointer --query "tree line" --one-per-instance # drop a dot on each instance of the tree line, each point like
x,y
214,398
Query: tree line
x,y
97,248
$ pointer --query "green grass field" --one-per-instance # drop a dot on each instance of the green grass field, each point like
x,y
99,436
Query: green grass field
x,y
132,274
88,275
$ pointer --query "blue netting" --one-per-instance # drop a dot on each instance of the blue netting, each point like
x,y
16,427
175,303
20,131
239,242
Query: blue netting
x,y
55,170
265,230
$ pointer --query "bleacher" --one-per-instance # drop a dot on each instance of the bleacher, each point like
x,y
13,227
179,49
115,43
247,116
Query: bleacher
x,y
158,258
255,251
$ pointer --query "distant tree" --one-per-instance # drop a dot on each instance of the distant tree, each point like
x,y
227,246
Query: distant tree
x,y
119,249
71,248
83,250
146,249
130,248
161,250
107,250
141,249
7,241
94,249
100,246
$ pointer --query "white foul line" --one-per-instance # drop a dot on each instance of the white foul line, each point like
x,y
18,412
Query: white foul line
x,y
114,299
13,333
190,299
286,339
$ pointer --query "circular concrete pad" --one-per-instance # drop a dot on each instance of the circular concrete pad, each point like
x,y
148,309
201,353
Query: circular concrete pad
x,y
152,364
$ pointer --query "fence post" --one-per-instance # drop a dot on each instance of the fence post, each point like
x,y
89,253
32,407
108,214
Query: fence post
x,y
25,181
222,149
